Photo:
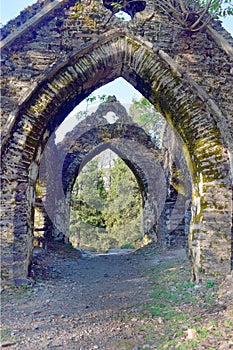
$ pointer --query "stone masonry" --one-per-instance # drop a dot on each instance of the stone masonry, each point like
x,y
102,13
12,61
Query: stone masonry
x,y
163,210
55,53
95,134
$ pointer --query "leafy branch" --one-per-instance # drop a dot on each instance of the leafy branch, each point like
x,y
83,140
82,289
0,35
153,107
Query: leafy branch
x,y
90,100
194,15
116,6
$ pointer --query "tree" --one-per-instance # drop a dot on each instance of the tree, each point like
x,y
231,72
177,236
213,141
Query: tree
x,y
123,205
191,15
145,114
106,206
90,100
218,8
88,195
194,15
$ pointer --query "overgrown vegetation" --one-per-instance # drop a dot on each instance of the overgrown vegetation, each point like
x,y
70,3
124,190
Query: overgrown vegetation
x,y
194,15
179,314
145,115
106,206
188,14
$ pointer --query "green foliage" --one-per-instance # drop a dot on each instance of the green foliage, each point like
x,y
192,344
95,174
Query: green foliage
x,y
5,334
175,291
106,206
39,279
193,16
87,197
218,8
229,323
145,114
209,299
123,194
116,5
89,101
209,284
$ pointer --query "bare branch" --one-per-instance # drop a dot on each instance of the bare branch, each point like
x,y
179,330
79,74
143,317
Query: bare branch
x,y
168,6
204,24
188,14
183,7
194,25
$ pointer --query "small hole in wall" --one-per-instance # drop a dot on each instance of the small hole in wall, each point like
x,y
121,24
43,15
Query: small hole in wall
x,y
123,16
111,117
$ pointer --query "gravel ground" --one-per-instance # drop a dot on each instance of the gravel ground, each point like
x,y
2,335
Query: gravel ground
x,y
84,302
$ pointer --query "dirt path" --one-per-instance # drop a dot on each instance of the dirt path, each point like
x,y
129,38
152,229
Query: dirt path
x,y
83,303
80,303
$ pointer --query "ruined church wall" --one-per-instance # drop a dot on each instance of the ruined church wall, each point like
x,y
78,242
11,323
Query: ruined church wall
x,y
197,112
67,29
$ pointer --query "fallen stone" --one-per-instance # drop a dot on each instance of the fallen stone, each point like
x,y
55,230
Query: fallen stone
x,y
6,344
191,333
22,281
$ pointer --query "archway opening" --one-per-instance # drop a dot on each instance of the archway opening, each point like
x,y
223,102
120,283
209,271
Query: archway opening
x,y
178,98
106,206
138,111
124,92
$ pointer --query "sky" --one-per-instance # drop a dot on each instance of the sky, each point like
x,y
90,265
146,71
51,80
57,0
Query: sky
x,y
123,91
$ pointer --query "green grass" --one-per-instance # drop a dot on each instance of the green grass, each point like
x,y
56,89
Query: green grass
x,y
19,292
169,310
202,332
188,345
5,336
210,284
229,323
209,299
171,291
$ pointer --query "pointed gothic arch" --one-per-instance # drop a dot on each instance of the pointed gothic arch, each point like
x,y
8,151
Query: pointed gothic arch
x,y
187,107
90,137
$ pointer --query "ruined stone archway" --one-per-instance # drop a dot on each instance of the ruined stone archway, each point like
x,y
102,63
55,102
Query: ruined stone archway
x,y
186,105
135,147
152,201
90,137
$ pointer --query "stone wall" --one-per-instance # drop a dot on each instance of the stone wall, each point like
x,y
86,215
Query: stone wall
x,y
169,215
175,218
53,61
130,142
